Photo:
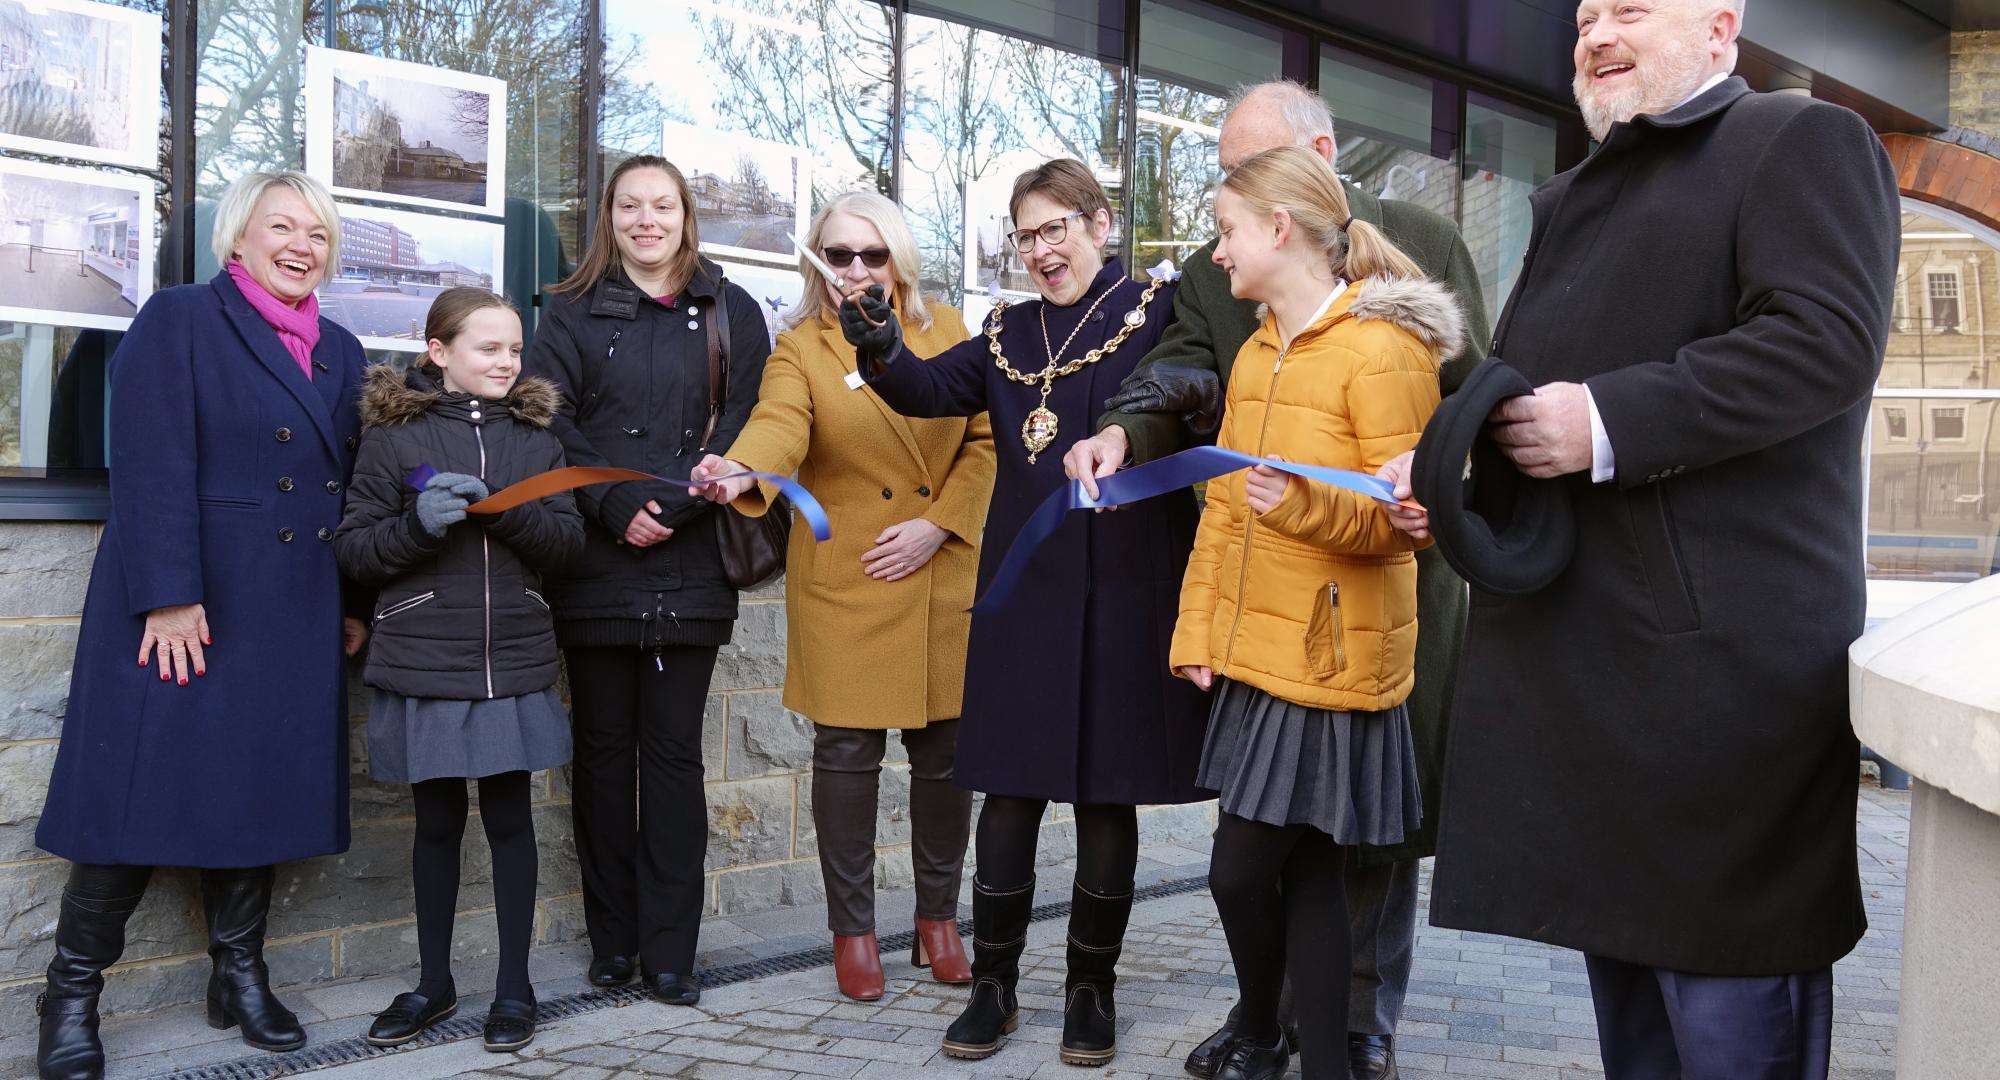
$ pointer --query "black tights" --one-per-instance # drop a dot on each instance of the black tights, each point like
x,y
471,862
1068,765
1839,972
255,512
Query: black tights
x,y
1283,903
510,831
1107,844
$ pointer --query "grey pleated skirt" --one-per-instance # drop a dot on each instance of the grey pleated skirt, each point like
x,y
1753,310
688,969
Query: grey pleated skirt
x,y
1351,775
412,739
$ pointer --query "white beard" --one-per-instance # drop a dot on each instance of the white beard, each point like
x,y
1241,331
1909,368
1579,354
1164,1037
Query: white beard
x,y
1660,83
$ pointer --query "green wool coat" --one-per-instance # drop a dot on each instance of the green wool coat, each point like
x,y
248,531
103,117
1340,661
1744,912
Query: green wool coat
x,y
1210,327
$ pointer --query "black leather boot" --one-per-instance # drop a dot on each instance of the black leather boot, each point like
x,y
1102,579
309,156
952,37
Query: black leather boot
x,y
999,933
1096,938
1205,1060
237,903
1251,1061
90,936
1371,1057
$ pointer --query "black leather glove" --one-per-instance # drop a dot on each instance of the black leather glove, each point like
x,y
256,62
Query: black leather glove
x,y
1195,393
869,324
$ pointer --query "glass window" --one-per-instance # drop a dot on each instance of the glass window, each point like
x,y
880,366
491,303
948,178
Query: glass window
x,y
979,108
1508,151
1396,130
1191,57
83,207
1933,449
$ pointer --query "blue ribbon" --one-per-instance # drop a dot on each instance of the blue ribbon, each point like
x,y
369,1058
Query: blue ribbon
x,y
802,500
1168,474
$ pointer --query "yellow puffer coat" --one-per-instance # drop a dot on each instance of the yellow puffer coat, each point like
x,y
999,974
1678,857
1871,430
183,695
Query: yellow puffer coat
x,y
1315,602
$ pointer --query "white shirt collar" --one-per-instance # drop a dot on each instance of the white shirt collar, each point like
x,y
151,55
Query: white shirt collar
x,y
1339,287
1714,81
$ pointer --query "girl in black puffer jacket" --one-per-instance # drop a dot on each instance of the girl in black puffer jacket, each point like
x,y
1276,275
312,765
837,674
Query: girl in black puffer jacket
x,y
463,657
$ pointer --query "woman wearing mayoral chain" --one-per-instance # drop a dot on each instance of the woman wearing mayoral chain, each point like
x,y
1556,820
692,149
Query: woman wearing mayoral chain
x,y
1068,697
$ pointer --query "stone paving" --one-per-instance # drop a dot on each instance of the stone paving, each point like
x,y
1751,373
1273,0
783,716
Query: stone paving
x,y
1479,1006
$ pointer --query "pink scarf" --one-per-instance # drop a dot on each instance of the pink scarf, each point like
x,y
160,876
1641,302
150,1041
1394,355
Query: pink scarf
x,y
297,327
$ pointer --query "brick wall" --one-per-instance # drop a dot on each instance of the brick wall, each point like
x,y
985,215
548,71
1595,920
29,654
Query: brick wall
x,y
1975,81
351,914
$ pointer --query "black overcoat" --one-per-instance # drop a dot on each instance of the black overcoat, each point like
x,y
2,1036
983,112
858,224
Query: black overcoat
x,y
228,466
1068,696
1652,759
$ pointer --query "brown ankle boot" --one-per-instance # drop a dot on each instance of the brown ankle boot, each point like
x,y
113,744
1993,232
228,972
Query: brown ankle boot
x,y
938,947
857,966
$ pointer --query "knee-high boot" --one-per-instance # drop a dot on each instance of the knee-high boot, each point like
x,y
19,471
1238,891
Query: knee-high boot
x,y
90,936
1096,938
238,903
999,933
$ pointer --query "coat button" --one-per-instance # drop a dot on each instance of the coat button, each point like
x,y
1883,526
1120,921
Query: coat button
x,y
924,492
284,483
283,434
333,487
887,494
324,533
693,310
285,535
353,441
693,325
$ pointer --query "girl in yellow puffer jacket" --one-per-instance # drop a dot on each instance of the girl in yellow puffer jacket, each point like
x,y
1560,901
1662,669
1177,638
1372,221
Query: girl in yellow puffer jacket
x,y
1299,606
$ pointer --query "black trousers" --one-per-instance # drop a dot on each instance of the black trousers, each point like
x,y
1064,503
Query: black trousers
x,y
1656,1024
637,713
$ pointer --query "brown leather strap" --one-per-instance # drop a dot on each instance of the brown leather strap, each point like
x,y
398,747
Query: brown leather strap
x,y
549,483
718,377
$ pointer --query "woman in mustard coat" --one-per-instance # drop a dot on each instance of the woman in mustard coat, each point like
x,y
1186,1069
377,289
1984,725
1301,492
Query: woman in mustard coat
x,y
907,499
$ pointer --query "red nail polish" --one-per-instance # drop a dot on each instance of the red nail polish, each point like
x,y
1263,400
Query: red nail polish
x,y
142,663
201,671
184,681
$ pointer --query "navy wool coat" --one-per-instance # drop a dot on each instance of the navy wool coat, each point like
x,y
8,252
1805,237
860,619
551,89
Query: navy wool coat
x,y
227,472
1068,696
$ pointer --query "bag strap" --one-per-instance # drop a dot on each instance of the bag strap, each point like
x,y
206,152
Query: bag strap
x,y
718,359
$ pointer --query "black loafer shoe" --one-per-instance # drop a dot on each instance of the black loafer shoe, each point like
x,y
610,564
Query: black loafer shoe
x,y
1248,1061
408,1016
1371,1057
674,989
510,1025
612,970
1206,1059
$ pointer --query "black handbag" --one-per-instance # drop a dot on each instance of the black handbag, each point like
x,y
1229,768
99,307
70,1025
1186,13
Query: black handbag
x,y
753,548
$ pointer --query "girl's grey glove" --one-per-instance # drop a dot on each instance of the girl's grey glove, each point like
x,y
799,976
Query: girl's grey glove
x,y
443,501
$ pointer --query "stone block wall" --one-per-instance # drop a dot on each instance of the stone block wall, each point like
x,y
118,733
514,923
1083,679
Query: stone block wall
x,y
1975,81
352,915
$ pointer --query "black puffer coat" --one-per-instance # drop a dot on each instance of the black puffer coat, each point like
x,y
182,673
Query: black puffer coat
x,y
460,617
635,390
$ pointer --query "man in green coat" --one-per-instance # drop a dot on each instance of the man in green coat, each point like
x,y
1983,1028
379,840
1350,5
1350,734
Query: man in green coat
x,y
1178,388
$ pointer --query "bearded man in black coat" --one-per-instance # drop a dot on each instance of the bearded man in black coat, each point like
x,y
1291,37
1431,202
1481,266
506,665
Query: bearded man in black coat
x,y
1651,760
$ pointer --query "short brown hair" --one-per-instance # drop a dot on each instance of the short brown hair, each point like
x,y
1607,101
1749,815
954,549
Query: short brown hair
x,y
1066,181
453,306
601,256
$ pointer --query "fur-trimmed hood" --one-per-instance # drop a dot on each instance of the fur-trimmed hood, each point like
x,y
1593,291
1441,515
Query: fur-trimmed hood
x,y
393,396
1423,307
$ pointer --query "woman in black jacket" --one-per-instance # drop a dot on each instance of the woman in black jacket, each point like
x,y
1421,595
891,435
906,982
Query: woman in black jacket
x,y
463,662
640,616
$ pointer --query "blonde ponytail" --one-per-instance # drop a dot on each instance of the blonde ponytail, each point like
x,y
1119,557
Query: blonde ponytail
x,y
1370,254
1301,183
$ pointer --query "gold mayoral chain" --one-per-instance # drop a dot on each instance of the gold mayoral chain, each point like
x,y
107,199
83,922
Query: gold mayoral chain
x,y
1039,429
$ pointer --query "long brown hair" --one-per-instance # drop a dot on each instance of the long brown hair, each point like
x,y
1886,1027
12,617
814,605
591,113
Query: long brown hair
x,y
601,256
1302,184
453,306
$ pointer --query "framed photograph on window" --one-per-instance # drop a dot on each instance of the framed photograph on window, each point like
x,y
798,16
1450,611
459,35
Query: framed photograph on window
x,y
393,263
994,267
750,195
80,80
76,245
776,291
399,132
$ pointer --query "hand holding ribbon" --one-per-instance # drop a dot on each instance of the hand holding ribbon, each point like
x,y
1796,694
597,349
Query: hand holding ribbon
x,y
549,483
1171,473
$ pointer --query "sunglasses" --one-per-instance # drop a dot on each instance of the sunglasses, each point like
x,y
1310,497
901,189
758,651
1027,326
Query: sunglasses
x,y
841,258
1051,232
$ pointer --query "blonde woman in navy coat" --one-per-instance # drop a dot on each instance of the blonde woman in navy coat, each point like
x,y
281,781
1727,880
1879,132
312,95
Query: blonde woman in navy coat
x,y
207,713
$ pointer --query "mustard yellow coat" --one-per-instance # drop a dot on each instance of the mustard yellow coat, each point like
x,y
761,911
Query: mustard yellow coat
x,y
1315,602
864,653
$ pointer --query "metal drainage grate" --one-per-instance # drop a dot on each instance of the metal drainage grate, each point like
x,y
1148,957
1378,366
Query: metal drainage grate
x,y
356,1048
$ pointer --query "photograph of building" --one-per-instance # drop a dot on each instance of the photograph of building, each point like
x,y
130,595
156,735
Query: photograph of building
x,y
751,195
405,132
393,262
74,248
75,81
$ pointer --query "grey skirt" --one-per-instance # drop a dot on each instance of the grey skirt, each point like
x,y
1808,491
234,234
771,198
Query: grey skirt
x,y
412,739
1351,775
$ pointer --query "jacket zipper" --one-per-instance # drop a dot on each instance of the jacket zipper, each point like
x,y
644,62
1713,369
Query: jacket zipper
x,y
1339,630
485,571
405,605
1250,519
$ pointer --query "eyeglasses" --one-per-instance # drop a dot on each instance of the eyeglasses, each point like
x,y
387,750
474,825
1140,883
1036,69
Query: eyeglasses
x,y
1051,232
841,258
